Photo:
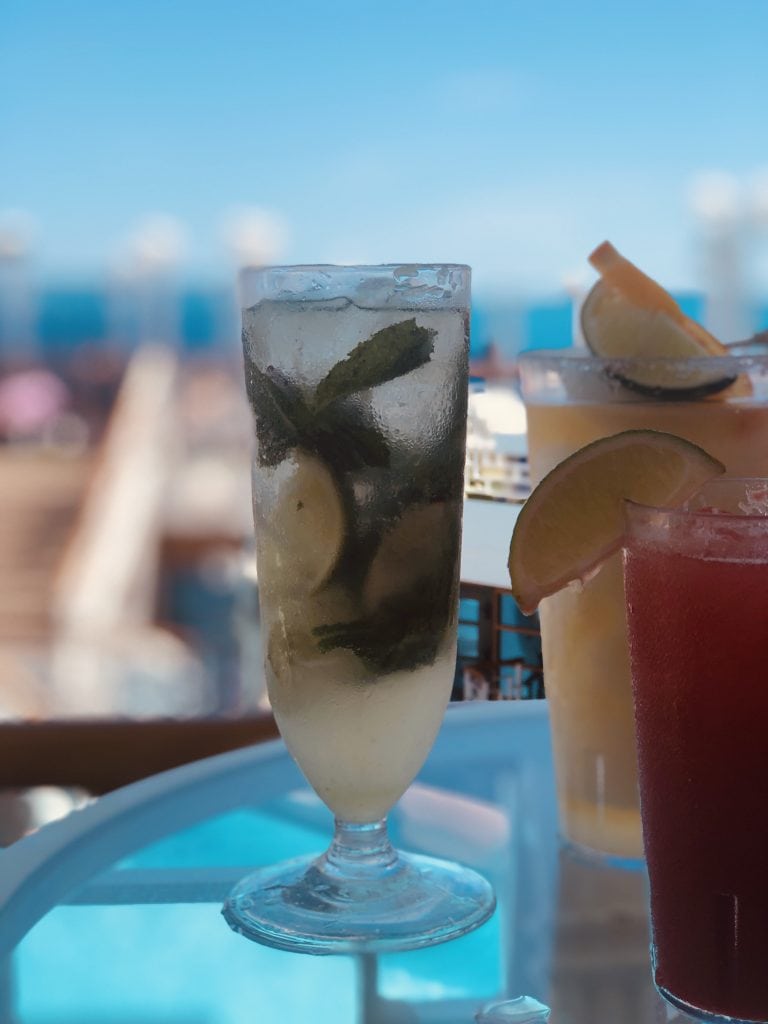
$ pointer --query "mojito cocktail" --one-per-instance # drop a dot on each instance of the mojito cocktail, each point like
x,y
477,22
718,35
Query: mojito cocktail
x,y
357,378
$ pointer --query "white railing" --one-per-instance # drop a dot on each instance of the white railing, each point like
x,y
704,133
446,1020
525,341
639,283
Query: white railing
x,y
107,580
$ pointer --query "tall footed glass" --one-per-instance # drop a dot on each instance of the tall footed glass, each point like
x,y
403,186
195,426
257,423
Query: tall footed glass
x,y
357,378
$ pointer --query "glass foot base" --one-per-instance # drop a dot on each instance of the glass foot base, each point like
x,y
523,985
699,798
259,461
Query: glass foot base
x,y
304,905
704,1015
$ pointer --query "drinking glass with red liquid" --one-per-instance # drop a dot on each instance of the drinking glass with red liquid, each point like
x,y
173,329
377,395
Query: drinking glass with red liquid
x,y
696,582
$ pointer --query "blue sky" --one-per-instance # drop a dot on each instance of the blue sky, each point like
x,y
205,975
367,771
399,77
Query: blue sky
x,y
511,135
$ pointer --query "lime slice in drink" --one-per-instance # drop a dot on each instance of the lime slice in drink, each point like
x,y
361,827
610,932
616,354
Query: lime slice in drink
x,y
411,552
310,522
574,519
627,315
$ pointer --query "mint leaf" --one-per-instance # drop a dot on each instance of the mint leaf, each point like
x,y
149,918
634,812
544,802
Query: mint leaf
x,y
343,434
387,354
348,438
406,630
280,412
402,635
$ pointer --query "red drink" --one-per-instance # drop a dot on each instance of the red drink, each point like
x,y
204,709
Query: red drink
x,y
697,600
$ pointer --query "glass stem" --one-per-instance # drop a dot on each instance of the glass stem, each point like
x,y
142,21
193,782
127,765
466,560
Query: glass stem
x,y
360,849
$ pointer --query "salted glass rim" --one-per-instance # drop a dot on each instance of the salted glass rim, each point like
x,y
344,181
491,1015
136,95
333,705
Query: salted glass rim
x,y
639,511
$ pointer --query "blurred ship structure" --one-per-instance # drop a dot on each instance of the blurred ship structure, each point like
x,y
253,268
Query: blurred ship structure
x,y
731,225
126,508
497,459
130,582
722,229
497,456
41,491
18,341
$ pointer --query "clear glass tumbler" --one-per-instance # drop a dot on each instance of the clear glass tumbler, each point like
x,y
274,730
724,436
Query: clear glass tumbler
x,y
357,378
571,398
696,583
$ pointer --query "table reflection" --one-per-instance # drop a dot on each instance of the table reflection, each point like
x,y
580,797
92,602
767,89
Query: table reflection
x,y
600,966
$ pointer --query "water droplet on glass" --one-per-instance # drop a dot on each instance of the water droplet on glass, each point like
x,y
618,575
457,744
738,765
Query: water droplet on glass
x,y
520,1010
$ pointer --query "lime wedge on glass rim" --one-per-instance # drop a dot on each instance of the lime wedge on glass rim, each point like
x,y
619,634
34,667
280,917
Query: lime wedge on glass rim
x,y
574,518
628,315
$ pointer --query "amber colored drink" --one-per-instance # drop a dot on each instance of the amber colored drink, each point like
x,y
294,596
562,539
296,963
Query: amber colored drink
x,y
697,601
572,399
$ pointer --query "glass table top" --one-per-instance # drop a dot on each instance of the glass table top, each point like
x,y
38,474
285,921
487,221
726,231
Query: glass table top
x,y
113,914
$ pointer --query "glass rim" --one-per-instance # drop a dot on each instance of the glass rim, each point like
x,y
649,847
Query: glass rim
x,y
419,286
740,358
383,268
641,510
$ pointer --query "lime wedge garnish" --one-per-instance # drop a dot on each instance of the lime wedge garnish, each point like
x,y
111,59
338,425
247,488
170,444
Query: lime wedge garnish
x,y
574,519
627,315
310,521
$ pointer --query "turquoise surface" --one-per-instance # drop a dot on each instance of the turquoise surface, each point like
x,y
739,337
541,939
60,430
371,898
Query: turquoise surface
x,y
199,971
